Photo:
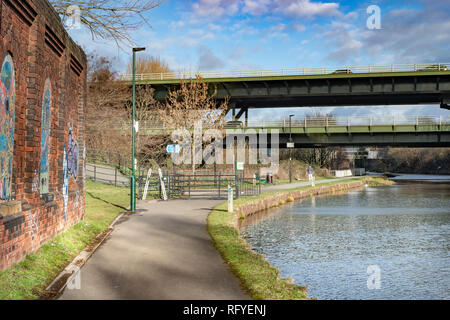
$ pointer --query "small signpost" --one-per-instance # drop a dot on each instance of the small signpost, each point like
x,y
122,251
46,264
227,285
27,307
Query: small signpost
x,y
173,148
291,145
230,199
240,166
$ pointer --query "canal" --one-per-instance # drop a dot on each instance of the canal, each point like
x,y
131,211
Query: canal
x,y
400,232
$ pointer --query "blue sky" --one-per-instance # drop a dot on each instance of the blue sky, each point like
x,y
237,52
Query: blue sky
x,y
204,35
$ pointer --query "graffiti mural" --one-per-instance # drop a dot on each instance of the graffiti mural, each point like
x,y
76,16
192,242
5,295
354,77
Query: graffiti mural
x,y
65,184
35,186
72,156
45,137
7,100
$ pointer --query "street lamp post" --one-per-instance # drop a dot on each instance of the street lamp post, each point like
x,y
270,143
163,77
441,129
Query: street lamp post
x,y
290,149
133,134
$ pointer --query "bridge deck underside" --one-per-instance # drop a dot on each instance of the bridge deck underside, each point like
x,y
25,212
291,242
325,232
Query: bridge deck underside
x,y
432,135
398,139
424,135
339,90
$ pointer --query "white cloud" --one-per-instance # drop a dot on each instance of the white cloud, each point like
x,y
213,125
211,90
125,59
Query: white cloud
x,y
208,60
277,31
406,36
256,7
215,8
176,25
290,8
306,8
299,27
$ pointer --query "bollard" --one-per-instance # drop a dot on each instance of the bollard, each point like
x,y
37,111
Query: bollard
x,y
230,199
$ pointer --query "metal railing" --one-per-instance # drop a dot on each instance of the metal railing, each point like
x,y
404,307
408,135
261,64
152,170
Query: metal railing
x,y
423,67
106,175
209,185
309,122
349,121
104,167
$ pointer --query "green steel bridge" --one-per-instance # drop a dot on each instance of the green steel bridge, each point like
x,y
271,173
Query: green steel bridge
x,y
411,131
405,84
415,131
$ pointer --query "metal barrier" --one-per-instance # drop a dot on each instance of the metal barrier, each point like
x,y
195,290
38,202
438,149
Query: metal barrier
x,y
181,184
203,185
106,175
424,67
308,122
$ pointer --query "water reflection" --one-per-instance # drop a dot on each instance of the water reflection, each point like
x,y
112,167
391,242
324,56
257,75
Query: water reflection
x,y
328,242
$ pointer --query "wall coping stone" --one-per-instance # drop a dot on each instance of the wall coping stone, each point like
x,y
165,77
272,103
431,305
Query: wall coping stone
x,y
10,208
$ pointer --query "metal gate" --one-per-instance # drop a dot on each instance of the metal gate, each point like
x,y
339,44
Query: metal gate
x,y
209,185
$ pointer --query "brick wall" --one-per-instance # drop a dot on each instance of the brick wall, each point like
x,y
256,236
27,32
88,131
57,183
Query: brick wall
x,y
42,136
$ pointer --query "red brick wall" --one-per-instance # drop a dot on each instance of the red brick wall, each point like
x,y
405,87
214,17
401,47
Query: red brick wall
x,y
28,218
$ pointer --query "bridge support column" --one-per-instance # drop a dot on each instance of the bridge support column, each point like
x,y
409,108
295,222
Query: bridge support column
x,y
246,117
233,108
241,112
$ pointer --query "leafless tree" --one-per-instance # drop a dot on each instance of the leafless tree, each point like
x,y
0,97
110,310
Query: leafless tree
x,y
192,102
109,19
106,100
151,138
149,64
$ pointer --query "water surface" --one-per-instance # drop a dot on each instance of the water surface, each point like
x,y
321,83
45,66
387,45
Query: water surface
x,y
328,243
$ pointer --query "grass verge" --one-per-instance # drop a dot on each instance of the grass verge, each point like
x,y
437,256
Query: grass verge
x,y
262,281
28,279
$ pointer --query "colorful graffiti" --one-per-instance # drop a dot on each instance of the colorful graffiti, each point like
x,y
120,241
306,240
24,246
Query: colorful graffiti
x,y
35,185
70,168
7,118
45,137
65,184
72,155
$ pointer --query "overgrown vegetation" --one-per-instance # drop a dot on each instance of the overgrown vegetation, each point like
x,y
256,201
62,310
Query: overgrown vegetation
x,y
412,160
28,279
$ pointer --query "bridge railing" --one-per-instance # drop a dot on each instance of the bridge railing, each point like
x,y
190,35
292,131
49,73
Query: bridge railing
x,y
349,121
305,122
289,72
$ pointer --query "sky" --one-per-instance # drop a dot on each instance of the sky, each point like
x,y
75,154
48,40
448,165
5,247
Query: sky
x,y
222,35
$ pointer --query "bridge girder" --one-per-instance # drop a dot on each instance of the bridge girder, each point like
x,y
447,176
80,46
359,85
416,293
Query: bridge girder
x,y
402,139
331,90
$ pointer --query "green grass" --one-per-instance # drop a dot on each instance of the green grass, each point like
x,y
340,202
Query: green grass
x,y
283,182
28,279
261,280
379,181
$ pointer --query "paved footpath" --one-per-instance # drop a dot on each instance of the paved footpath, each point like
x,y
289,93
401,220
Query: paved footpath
x,y
162,252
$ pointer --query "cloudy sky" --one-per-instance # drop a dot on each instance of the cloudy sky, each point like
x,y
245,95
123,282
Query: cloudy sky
x,y
204,35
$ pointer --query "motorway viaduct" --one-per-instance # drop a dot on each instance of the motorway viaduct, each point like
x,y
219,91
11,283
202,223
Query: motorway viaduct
x,y
319,87
330,89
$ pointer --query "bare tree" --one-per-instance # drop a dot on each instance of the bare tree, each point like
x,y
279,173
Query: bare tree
x,y
108,19
192,102
106,102
149,64
151,138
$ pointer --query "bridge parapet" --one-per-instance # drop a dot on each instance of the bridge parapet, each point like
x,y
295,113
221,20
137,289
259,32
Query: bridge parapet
x,y
347,70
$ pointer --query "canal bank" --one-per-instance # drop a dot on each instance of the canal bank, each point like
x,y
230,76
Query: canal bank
x,y
257,276
335,243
